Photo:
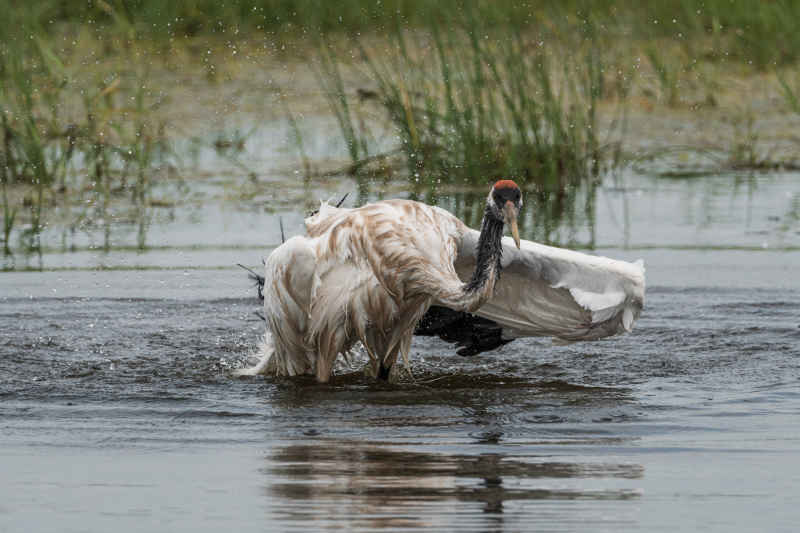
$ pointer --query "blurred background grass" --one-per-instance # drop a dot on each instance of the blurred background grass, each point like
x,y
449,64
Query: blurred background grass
x,y
757,32
537,91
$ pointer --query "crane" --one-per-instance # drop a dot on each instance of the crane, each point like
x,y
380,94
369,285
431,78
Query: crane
x,y
370,274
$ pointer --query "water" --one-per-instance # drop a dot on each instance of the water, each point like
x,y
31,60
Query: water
x,y
118,410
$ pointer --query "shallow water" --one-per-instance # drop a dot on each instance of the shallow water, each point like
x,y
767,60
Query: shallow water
x,y
118,410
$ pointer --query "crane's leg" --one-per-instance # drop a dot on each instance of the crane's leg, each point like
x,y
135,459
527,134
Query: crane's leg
x,y
325,362
374,342
330,343
325,367
386,359
384,369
388,368
400,341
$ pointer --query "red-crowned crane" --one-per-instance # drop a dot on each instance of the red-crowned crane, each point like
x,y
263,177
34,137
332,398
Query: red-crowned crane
x,y
369,274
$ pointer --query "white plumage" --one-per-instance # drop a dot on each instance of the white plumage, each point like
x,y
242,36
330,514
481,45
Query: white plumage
x,y
369,274
552,292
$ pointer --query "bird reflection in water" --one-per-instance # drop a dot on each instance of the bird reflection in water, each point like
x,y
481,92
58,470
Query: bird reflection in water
x,y
375,486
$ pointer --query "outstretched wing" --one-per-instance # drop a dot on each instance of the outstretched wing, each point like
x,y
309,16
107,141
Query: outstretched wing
x,y
553,292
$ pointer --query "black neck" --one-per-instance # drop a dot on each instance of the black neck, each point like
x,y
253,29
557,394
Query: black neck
x,y
490,251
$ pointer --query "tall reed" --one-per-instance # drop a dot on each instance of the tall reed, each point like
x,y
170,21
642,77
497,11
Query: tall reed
x,y
479,106
112,141
790,91
6,166
470,105
761,33
30,91
329,77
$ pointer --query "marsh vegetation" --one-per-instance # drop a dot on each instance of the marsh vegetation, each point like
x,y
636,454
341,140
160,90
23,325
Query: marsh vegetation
x,y
433,99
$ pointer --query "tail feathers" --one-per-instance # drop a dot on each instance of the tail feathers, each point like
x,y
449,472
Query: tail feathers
x,y
258,278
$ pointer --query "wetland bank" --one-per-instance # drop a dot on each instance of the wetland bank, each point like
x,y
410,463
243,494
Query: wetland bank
x,y
147,152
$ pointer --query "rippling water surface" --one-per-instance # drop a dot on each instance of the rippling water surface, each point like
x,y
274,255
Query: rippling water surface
x,y
118,410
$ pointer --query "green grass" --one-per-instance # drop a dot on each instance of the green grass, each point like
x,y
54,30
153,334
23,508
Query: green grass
x,y
790,90
118,144
328,74
758,32
9,211
470,110
473,89
30,111
667,74
474,105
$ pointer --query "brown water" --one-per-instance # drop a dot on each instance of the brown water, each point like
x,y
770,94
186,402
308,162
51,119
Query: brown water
x,y
118,410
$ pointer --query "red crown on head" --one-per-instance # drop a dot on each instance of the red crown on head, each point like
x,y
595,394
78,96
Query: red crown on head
x,y
505,184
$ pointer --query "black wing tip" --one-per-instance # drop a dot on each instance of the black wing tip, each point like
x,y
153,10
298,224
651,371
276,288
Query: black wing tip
x,y
470,333
252,274
258,278
339,204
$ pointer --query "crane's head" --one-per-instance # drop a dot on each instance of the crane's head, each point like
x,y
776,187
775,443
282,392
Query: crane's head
x,y
504,203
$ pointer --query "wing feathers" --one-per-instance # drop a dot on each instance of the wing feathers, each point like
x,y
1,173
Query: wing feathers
x,y
568,295
543,290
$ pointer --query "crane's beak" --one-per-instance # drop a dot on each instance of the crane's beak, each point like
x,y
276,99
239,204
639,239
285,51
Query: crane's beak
x,y
510,211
